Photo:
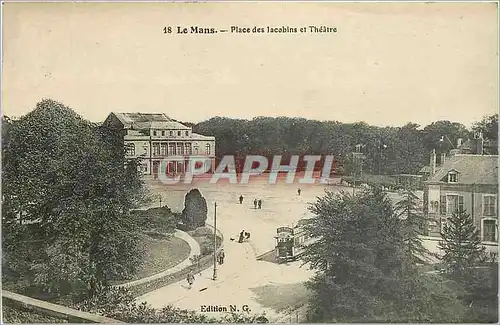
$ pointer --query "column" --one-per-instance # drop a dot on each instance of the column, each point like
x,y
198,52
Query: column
x,y
213,165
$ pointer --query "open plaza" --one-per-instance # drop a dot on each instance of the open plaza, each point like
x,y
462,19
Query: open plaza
x,y
245,281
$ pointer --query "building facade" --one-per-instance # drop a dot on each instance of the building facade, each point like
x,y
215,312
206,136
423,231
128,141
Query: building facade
x,y
156,137
467,182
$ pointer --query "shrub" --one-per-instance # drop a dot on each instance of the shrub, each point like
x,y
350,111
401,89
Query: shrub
x,y
118,303
195,210
203,231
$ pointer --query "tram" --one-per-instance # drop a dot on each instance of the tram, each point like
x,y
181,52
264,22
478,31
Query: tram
x,y
290,242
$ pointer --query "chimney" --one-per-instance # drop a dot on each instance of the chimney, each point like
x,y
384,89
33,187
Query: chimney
x,y
432,164
479,145
443,158
459,143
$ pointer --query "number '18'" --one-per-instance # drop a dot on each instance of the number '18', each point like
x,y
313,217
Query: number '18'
x,y
167,30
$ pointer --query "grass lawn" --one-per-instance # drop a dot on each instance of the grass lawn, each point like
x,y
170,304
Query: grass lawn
x,y
161,253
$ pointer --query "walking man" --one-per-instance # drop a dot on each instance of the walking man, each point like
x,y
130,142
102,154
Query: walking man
x,y
298,191
221,256
241,199
240,240
260,204
255,204
190,279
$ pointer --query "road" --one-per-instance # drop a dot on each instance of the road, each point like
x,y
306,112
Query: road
x,y
242,280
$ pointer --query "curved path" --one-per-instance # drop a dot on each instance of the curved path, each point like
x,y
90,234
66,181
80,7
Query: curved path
x,y
195,250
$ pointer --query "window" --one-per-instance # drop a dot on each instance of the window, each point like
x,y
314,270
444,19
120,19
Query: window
x,y
452,177
171,133
188,150
154,133
178,133
454,203
180,149
162,133
489,230
434,207
130,149
195,150
156,149
207,149
171,149
187,133
164,149
489,205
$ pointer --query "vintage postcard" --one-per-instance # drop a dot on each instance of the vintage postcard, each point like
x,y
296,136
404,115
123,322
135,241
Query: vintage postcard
x,y
251,162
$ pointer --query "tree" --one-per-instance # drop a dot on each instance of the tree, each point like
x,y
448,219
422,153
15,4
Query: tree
x,y
64,177
362,267
412,226
195,209
356,254
461,245
488,126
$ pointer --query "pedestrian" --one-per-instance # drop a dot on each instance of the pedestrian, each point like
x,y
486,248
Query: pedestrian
x,y
260,204
221,256
241,199
240,240
298,191
190,279
255,204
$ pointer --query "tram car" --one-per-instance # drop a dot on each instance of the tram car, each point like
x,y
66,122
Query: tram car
x,y
290,242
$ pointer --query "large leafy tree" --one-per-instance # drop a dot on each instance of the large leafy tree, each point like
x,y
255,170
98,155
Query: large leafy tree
x,y
64,177
488,126
363,269
356,254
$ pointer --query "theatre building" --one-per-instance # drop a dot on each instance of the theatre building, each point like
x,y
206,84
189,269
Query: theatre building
x,y
155,137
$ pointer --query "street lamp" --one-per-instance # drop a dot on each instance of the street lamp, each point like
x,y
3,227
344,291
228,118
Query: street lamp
x,y
443,137
380,147
215,242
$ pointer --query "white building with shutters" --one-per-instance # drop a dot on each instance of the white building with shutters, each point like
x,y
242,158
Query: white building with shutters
x,y
463,181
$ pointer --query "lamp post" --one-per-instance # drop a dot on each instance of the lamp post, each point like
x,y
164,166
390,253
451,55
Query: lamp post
x,y
380,148
215,242
447,139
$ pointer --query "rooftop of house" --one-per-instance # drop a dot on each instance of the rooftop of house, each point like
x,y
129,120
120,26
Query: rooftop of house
x,y
471,169
140,121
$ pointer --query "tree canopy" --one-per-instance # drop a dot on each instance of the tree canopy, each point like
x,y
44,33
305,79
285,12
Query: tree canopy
x,y
67,191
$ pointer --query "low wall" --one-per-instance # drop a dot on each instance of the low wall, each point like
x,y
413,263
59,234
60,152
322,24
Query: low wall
x,y
204,263
20,302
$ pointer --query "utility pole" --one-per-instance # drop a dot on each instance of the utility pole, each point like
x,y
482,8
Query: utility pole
x,y
215,242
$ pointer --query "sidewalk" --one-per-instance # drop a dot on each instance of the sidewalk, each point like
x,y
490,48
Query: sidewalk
x,y
195,250
238,257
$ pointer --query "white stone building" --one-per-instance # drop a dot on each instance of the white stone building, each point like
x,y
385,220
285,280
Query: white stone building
x,y
155,137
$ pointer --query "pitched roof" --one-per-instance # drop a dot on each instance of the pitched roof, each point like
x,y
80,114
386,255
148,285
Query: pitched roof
x,y
473,169
140,121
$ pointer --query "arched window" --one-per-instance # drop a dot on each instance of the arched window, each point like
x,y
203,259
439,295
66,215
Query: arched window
x,y
207,149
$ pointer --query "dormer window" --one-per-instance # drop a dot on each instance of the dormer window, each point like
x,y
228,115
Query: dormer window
x,y
452,177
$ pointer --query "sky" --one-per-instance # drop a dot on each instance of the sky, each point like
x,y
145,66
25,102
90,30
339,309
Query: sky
x,y
387,64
